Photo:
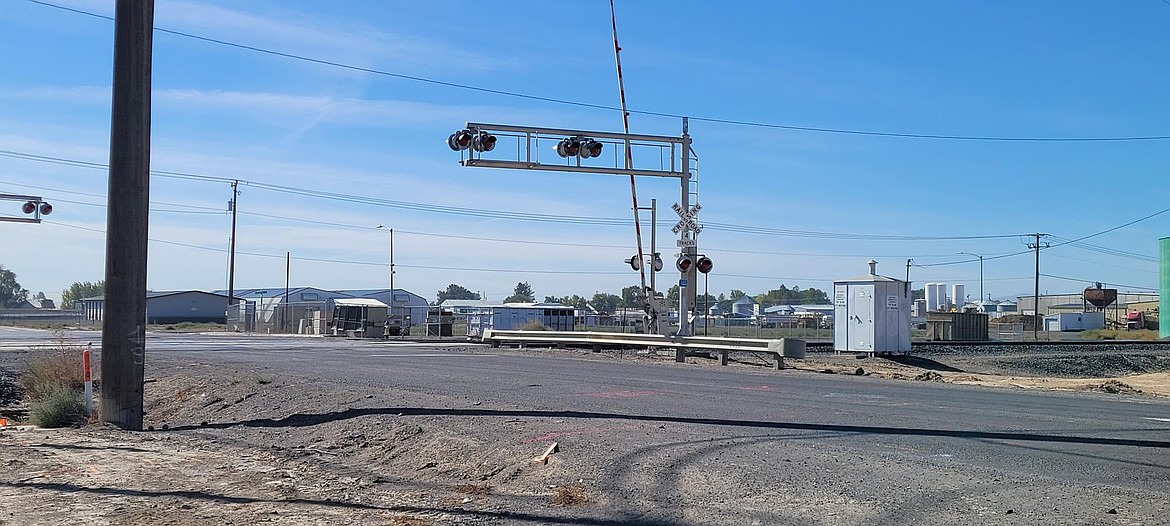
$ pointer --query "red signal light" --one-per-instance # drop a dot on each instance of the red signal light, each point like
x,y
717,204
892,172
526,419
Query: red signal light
x,y
29,207
704,264
568,147
484,142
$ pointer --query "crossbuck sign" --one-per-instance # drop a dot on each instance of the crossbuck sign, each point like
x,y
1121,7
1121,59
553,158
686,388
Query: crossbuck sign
x,y
686,218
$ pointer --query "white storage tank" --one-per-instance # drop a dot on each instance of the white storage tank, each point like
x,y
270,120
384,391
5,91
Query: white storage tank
x,y
931,296
958,295
871,314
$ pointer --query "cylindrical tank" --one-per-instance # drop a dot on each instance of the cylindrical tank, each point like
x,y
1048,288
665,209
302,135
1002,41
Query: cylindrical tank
x,y
958,295
931,297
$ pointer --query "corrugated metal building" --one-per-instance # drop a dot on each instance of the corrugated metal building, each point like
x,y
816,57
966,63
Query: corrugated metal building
x,y
1025,304
176,306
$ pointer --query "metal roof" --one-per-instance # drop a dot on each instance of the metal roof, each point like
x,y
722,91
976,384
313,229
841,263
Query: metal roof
x,y
868,278
358,302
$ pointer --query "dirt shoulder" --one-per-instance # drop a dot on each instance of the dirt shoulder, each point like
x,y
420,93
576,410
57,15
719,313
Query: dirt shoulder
x,y
240,446
350,461
925,369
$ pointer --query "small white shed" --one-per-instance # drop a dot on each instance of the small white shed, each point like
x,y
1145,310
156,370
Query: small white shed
x,y
871,314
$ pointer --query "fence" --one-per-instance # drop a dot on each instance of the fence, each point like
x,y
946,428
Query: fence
x,y
1007,332
44,316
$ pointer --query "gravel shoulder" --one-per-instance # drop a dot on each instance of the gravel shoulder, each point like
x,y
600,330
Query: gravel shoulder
x,y
232,445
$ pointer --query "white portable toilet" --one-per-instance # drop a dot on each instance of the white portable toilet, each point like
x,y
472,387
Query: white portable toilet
x,y
871,314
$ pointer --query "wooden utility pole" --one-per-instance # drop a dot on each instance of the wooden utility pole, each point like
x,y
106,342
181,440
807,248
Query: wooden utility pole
x,y
232,257
123,322
1036,318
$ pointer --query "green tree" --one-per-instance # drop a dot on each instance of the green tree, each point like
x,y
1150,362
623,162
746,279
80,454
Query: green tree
x,y
704,302
576,301
605,303
630,297
522,294
793,296
80,290
672,296
455,292
12,295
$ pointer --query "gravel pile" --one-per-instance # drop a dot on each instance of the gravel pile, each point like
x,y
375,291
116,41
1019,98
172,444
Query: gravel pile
x,y
1060,361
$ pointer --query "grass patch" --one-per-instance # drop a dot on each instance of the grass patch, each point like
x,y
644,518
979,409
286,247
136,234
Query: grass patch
x,y
187,326
263,380
1112,334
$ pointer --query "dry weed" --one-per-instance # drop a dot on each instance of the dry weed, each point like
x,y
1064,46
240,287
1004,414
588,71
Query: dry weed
x,y
473,489
570,495
59,367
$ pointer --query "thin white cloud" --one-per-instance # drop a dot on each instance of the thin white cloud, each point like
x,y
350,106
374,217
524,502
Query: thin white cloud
x,y
339,38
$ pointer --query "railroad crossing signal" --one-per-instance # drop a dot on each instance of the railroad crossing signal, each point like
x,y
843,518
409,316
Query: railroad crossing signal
x,y
636,264
479,141
32,206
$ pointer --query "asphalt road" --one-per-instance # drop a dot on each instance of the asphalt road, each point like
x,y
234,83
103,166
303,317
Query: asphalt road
x,y
1051,445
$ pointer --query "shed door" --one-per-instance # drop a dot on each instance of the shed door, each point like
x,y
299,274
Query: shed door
x,y
860,322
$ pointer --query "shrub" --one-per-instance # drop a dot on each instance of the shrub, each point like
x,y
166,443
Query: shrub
x,y
58,407
59,369
534,325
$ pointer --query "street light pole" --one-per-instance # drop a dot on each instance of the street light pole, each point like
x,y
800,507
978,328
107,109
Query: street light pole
x,y
390,304
982,298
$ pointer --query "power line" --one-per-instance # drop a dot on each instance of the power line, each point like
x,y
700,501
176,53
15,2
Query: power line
x,y
1106,250
1149,271
1118,227
1131,287
566,102
495,214
350,262
335,224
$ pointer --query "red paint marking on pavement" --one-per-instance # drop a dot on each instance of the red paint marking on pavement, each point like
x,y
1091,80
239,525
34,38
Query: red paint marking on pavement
x,y
760,388
620,394
595,430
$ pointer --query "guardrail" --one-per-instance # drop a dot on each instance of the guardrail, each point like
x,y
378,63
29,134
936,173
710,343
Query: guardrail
x,y
781,348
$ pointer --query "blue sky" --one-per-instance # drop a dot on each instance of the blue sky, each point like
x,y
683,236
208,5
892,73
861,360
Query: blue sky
x,y
972,69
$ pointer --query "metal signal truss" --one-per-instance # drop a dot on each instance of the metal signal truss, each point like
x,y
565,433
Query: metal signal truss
x,y
571,148
582,151
33,206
